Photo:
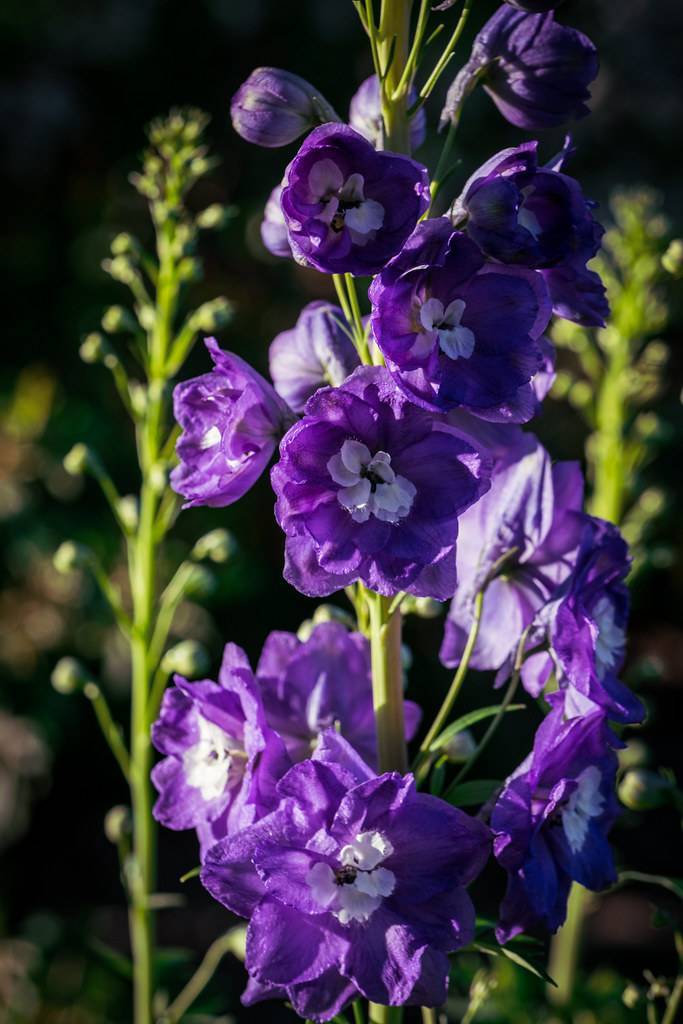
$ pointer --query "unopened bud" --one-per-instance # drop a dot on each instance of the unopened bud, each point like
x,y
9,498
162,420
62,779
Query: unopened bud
x,y
646,424
76,461
304,631
631,996
120,268
459,747
187,658
70,556
643,790
634,755
211,316
218,546
146,317
672,260
423,607
274,107
94,348
189,269
330,613
145,185
68,676
127,508
138,397
117,824
158,477
214,216
125,245
201,582
117,319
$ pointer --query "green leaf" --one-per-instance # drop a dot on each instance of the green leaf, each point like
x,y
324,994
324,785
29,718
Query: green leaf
x,y
470,719
438,777
516,958
469,793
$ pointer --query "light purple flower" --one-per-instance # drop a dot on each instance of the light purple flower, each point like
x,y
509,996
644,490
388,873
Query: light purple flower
x,y
349,208
456,330
551,819
365,115
355,885
324,682
316,352
221,760
232,420
518,543
274,107
535,70
273,228
370,487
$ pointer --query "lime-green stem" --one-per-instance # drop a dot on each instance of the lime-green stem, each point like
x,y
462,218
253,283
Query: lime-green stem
x,y
674,1003
564,953
199,980
394,45
387,684
428,1015
360,334
384,1014
423,759
404,82
441,171
608,449
445,57
110,730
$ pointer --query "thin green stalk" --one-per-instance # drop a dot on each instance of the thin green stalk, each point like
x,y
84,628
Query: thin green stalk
x,y
421,766
110,730
387,684
360,334
412,59
441,172
564,955
445,57
674,1003
199,980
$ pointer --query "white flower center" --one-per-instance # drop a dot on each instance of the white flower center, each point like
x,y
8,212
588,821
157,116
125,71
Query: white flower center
x,y
354,890
369,486
525,217
214,762
611,638
345,205
586,802
211,438
454,339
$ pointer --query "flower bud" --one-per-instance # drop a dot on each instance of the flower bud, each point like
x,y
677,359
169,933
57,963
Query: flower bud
x,y
643,790
631,996
423,607
274,107
330,613
189,269
211,316
634,755
68,676
120,268
304,631
672,260
94,348
138,397
201,582
188,658
214,217
146,317
116,319
459,747
76,461
70,556
158,477
125,245
117,824
127,508
218,546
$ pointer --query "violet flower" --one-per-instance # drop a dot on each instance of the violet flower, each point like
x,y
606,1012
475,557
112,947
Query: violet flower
x,y
365,115
369,487
453,329
355,885
349,208
232,420
316,352
551,819
222,761
273,228
324,682
535,70
274,107
531,216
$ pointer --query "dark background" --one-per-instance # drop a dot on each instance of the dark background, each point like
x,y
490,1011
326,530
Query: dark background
x,y
78,83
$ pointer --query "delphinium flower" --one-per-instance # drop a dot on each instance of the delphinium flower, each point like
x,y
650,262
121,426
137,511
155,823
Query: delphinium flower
x,y
232,420
354,885
316,352
517,543
222,760
535,216
273,228
455,330
274,107
348,207
551,821
370,487
322,682
535,70
365,115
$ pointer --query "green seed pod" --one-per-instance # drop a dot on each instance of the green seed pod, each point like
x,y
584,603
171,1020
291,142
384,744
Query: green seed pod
x,y
70,556
643,790
68,676
117,824
188,658
77,460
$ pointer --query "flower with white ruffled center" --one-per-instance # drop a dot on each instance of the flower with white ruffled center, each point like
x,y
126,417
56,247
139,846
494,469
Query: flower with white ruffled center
x,y
355,889
611,637
586,802
214,762
345,202
454,339
369,486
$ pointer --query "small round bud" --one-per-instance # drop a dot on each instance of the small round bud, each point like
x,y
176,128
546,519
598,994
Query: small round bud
x,y
214,216
631,996
427,607
189,269
643,790
70,556
212,315
120,268
158,477
672,260
304,631
201,582
94,348
68,676
188,658
646,424
634,755
77,460
459,747
125,245
199,166
146,317
117,823
218,546
127,508
330,613
138,397
116,319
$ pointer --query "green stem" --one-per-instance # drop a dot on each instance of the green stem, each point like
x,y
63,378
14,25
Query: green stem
x,y
394,46
199,980
384,1014
110,730
674,1003
360,334
445,57
607,443
564,953
387,684
358,1015
441,173
428,1015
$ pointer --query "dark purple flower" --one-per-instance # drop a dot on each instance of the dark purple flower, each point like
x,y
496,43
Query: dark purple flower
x,y
355,885
274,107
222,760
324,682
273,228
531,216
536,71
365,115
370,488
518,543
349,208
455,330
551,819
232,420
316,352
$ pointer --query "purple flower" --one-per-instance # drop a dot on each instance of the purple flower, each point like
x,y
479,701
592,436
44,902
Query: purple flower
x,y
536,71
370,488
353,886
365,115
322,683
316,352
551,819
517,543
348,207
274,107
273,228
232,420
520,213
455,330
222,761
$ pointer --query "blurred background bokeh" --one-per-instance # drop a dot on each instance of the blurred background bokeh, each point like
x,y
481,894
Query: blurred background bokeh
x,y
78,83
